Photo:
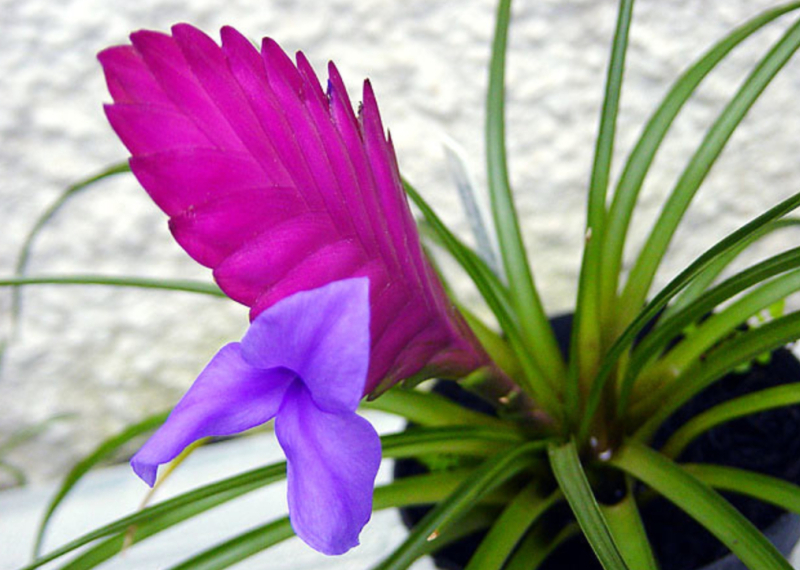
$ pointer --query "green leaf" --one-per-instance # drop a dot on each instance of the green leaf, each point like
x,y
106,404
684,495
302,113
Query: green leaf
x,y
589,312
431,409
743,348
704,281
625,523
649,258
175,509
240,547
702,503
670,327
725,322
55,207
26,434
537,545
646,315
487,477
117,281
520,514
116,544
767,399
14,472
23,257
649,142
103,451
496,296
782,494
536,330
418,490
460,440
154,518
572,480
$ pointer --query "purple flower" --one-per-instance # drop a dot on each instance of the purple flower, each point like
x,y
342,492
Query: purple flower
x,y
296,204
303,362
280,187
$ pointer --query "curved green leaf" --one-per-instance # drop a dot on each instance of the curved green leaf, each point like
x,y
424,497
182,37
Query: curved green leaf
x,y
240,547
176,509
572,480
192,502
487,477
649,258
782,494
704,281
115,281
432,410
509,528
646,315
496,296
670,327
55,207
702,503
742,349
459,440
625,523
536,330
641,157
103,451
767,399
590,313
537,545
723,323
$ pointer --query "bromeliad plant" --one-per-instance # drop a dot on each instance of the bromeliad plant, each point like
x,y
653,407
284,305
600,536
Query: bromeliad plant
x,y
297,205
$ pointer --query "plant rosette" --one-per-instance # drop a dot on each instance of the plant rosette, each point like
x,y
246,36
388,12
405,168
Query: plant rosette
x,y
295,201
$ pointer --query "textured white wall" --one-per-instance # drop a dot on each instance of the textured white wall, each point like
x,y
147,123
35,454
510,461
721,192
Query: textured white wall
x,y
116,355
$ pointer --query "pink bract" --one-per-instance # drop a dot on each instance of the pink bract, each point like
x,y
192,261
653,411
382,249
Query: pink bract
x,y
280,187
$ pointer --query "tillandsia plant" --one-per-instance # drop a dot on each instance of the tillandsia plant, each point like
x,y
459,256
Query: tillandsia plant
x,y
296,203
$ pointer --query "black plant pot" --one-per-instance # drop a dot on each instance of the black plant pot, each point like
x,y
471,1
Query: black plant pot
x,y
768,442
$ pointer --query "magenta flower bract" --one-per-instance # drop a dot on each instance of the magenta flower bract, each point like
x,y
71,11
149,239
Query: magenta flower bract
x,y
304,362
280,187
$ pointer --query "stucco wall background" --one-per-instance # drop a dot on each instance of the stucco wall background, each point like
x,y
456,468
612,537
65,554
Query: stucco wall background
x,y
113,356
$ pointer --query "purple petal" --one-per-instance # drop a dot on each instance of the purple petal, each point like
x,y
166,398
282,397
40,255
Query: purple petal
x,y
228,397
332,463
323,336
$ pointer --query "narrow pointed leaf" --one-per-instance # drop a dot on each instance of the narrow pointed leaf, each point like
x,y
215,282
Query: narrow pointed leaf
x,y
431,409
782,494
497,297
646,315
702,503
589,311
739,350
114,281
753,403
672,326
641,157
649,258
509,528
625,523
704,281
192,502
23,257
537,333
537,545
489,476
103,451
572,480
